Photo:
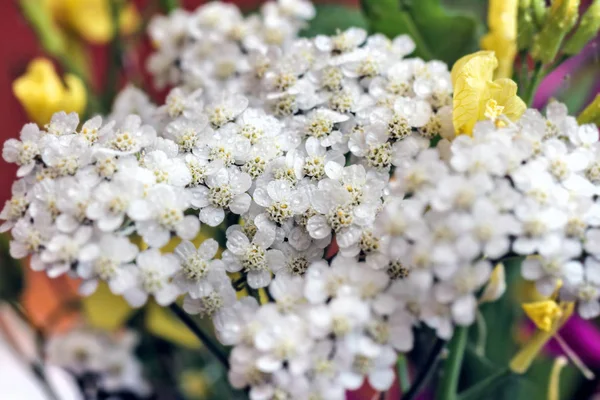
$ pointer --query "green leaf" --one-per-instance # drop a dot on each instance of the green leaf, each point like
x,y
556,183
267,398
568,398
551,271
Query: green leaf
x,y
437,33
11,273
331,18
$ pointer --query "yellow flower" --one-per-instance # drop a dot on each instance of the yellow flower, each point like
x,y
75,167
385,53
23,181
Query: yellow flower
x,y
502,35
91,19
591,114
543,313
477,96
549,316
42,93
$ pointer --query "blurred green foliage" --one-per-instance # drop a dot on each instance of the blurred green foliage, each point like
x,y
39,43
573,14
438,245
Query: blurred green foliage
x,y
438,32
11,273
331,18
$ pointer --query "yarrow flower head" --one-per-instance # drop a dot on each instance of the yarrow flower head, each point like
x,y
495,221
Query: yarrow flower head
x,y
314,157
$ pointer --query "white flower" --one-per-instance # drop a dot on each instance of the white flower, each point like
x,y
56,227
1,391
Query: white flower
x,y
254,257
281,202
338,214
211,304
541,229
30,236
23,152
359,356
132,100
592,242
181,104
130,138
166,206
587,290
187,133
343,42
63,251
288,292
112,201
167,170
459,291
62,123
345,314
552,267
297,261
225,110
198,267
105,259
15,208
226,189
285,339
74,196
233,324
150,276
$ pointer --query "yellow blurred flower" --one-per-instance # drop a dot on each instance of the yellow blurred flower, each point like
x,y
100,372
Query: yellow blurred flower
x,y
91,19
502,35
477,96
549,316
591,114
543,313
41,92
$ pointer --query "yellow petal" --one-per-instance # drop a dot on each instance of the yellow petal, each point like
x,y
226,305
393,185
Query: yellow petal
x,y
470,76
42,93
479,59
105,310
129,19
504,91
591,114
91,19
161,322
521,362
543,313
75,97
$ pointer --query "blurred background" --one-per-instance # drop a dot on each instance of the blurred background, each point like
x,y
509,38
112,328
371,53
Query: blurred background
x,y
575,82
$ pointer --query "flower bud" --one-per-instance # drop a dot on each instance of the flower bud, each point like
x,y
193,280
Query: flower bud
x,y
42,93
561,18
525,25
586,31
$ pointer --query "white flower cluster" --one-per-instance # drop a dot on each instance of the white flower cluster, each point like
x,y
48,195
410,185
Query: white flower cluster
x,y
521,189
104,364
215,46
315,161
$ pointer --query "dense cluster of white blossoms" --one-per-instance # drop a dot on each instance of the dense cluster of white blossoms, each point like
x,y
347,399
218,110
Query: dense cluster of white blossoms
x,y
316,160
103,364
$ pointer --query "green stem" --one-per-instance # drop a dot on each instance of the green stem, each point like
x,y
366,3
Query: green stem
x,y
452,367
426,373
481,334
538,75
403,375
169,5
115,63
481,389
204,338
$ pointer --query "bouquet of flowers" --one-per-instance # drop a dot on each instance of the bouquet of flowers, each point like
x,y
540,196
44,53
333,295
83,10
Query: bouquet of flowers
x,y
328,203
